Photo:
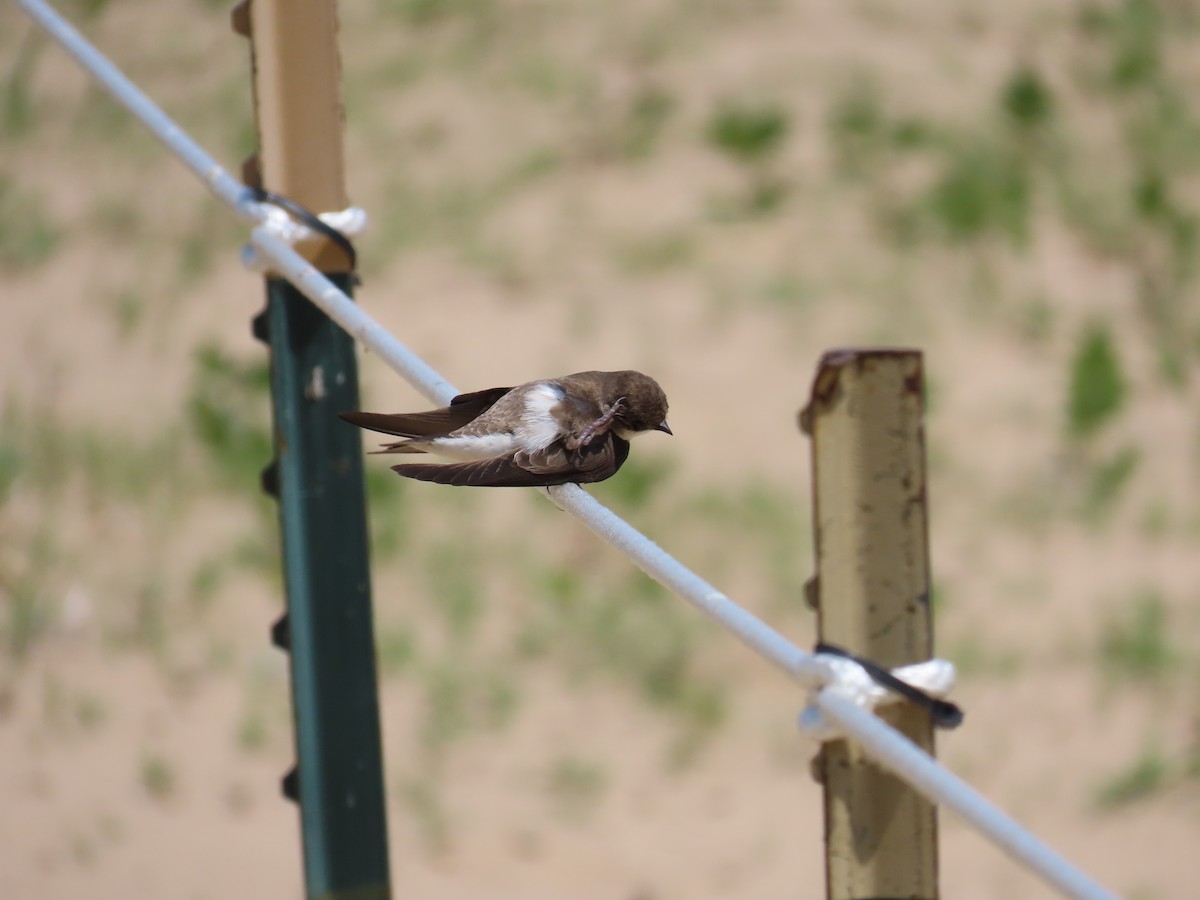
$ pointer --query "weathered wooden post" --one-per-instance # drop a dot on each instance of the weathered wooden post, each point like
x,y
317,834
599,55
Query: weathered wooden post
x,y
871,592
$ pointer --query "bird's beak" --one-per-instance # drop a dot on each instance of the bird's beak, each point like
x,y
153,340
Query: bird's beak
x,y
663,427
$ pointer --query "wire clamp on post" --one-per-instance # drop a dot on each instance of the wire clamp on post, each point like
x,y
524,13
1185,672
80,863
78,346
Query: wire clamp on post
x,y
292,223
869,685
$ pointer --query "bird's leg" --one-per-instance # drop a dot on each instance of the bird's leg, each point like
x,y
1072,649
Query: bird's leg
x,y
589,433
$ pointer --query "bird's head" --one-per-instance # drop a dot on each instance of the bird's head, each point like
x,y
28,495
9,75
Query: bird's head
x,y
643,407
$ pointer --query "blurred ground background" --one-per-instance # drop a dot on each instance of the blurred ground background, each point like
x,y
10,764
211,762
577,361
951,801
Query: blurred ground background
x,y
713,192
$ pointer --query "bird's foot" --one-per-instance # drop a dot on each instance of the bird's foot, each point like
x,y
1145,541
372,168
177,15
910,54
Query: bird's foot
x,y
597,427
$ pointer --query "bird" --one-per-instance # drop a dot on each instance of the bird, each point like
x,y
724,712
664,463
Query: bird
x,y
571,429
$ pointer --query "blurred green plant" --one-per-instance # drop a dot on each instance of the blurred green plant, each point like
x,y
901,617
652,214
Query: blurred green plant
x,y
862,134
252,730
977,656
627,627
501,701
1026,99
984,188
645,121
1097,383
455,578
751,135
88,9
207,578
1035,320
426,13
11,466
748,134
767,519
389,521
28,237
25,584
1144,777
396,649
1134,30
1108,480
446,710
18,113
857,127
157,776
576,785
454,212
129,308
637,485
1135,640
425,804
655,253
228,412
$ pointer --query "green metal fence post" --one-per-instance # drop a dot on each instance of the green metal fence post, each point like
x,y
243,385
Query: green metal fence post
x,y
318,478
317,473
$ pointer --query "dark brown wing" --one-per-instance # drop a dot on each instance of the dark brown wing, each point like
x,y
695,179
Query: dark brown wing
x,y
462,409
554,465
480,401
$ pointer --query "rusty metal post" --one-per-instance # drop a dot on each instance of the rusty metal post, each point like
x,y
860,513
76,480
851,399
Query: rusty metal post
x,y
871,591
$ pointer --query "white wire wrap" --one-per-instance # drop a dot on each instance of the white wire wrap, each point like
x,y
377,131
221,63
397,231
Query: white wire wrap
x,y
851,681
350,222
838,695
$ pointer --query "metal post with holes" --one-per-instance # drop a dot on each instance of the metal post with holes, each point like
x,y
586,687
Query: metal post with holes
x,y
317,474
865,417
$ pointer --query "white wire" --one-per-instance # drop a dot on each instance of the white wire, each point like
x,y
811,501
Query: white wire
x,y
886,745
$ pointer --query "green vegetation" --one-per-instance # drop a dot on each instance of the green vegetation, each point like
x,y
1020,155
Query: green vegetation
x,y
1107,482
71,711
862,134
396,649
29,237
1136,641
18,115
426,806
157,777
576,786
1147,775
752,135
1097,387
976,656
456,588
641,482
749,134
653,254
646,119
983,189
1027,99
252,731
228,413
27,613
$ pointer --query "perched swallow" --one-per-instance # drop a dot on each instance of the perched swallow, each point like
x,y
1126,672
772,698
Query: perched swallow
x,y
571,429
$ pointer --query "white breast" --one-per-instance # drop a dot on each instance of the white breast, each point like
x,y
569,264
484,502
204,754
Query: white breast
x,y
539,428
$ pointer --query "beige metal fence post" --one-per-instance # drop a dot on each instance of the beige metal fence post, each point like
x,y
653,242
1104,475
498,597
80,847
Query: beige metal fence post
x,y
872,596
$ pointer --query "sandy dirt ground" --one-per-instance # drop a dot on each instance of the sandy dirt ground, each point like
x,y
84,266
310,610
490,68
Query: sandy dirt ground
x,y
549,193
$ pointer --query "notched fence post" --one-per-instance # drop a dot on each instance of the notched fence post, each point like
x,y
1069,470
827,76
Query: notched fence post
x,y
871,592
317,473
